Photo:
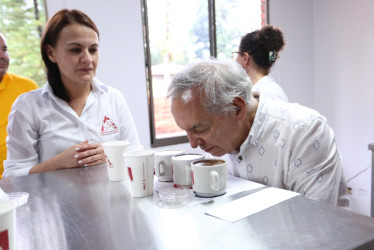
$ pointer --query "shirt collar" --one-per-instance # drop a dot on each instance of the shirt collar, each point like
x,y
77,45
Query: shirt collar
x,y
256,129
97,87
259,122
262,81
243,146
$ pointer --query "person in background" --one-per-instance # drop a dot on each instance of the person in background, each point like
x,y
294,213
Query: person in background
x,y
279,144
257,53
11,86
64,124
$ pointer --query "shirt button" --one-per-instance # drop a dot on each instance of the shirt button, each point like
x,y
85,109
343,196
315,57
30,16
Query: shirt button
x,y
240,158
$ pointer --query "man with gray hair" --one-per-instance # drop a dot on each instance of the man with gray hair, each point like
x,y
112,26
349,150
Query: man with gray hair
x,y
278,144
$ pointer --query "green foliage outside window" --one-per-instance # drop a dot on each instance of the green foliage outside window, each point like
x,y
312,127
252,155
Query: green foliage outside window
x,y
22,22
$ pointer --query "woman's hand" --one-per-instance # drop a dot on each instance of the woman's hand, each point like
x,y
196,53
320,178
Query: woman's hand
x,y
89,154
83,154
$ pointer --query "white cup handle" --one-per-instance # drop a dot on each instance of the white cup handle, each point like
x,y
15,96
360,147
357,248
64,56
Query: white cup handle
x,y
159,168
214,180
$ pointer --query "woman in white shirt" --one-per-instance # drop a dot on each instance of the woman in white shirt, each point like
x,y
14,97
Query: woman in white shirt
x,y
63,124
257,53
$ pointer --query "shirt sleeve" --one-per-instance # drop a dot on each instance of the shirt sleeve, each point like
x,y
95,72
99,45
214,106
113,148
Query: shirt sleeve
x,y
22,139
315,165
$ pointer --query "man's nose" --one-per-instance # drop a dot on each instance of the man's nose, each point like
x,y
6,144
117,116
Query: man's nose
x,y
2,54
194,140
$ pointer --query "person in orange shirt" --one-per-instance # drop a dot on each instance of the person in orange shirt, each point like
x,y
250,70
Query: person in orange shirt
x,y
11,86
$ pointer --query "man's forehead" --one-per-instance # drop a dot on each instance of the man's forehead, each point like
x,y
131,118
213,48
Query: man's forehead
x,y
189,114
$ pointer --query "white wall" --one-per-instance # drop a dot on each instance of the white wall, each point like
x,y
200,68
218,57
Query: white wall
x,y
294,69
326,64
343,84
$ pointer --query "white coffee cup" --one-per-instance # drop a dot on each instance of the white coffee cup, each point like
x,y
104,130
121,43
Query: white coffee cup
x,y
8,224
182,169
163,164
209,177
114,159
140,168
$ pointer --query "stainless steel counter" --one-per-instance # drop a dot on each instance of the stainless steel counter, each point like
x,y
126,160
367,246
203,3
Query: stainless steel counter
x,y
81,209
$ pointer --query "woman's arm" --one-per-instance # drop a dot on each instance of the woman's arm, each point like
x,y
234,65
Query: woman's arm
x,y
23,143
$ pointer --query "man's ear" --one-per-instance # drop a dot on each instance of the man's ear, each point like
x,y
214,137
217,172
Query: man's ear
x,y
240,107
246,59
50,53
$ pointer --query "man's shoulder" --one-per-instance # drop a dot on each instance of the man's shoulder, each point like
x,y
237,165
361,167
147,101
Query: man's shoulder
x,y
276,106
292,115
27,82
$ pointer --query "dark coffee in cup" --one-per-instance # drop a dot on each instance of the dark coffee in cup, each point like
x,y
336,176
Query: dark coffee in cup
x,y
208,162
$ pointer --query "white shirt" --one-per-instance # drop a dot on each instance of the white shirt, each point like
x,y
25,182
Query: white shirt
x,y
292,147
42,125
270,89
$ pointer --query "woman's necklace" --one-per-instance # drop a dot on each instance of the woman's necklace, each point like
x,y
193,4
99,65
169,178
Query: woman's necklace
x,y
79,103
77,106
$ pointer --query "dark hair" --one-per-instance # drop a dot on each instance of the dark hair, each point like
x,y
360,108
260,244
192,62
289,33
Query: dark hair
x,y
263,45
50,36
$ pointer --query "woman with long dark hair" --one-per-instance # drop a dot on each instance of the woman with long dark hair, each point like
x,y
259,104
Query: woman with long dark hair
x,y
63,124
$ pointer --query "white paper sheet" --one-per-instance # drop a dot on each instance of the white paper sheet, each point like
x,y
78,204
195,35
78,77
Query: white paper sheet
x,y
251,204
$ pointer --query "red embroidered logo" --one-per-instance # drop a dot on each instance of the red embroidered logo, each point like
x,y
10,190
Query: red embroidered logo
x,y
108,127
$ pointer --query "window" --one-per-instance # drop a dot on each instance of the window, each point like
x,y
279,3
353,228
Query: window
x,y
22,23
177,32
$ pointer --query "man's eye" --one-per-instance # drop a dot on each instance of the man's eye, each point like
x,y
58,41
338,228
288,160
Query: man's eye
x,y
200,130
92,51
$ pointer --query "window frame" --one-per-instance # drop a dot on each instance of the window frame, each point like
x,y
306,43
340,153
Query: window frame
x,y
159,142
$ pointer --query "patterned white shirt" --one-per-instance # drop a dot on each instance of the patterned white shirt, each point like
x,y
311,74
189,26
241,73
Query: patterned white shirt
x,y
292,147
270,89
41,125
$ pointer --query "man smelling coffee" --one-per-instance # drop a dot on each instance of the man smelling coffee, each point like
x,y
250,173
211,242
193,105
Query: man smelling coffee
x,y
283,145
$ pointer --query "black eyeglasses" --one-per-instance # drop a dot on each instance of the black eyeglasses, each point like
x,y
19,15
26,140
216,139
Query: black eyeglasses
x,y
235,54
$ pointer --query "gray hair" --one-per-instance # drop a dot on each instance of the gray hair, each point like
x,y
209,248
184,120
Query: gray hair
x,y
219,80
